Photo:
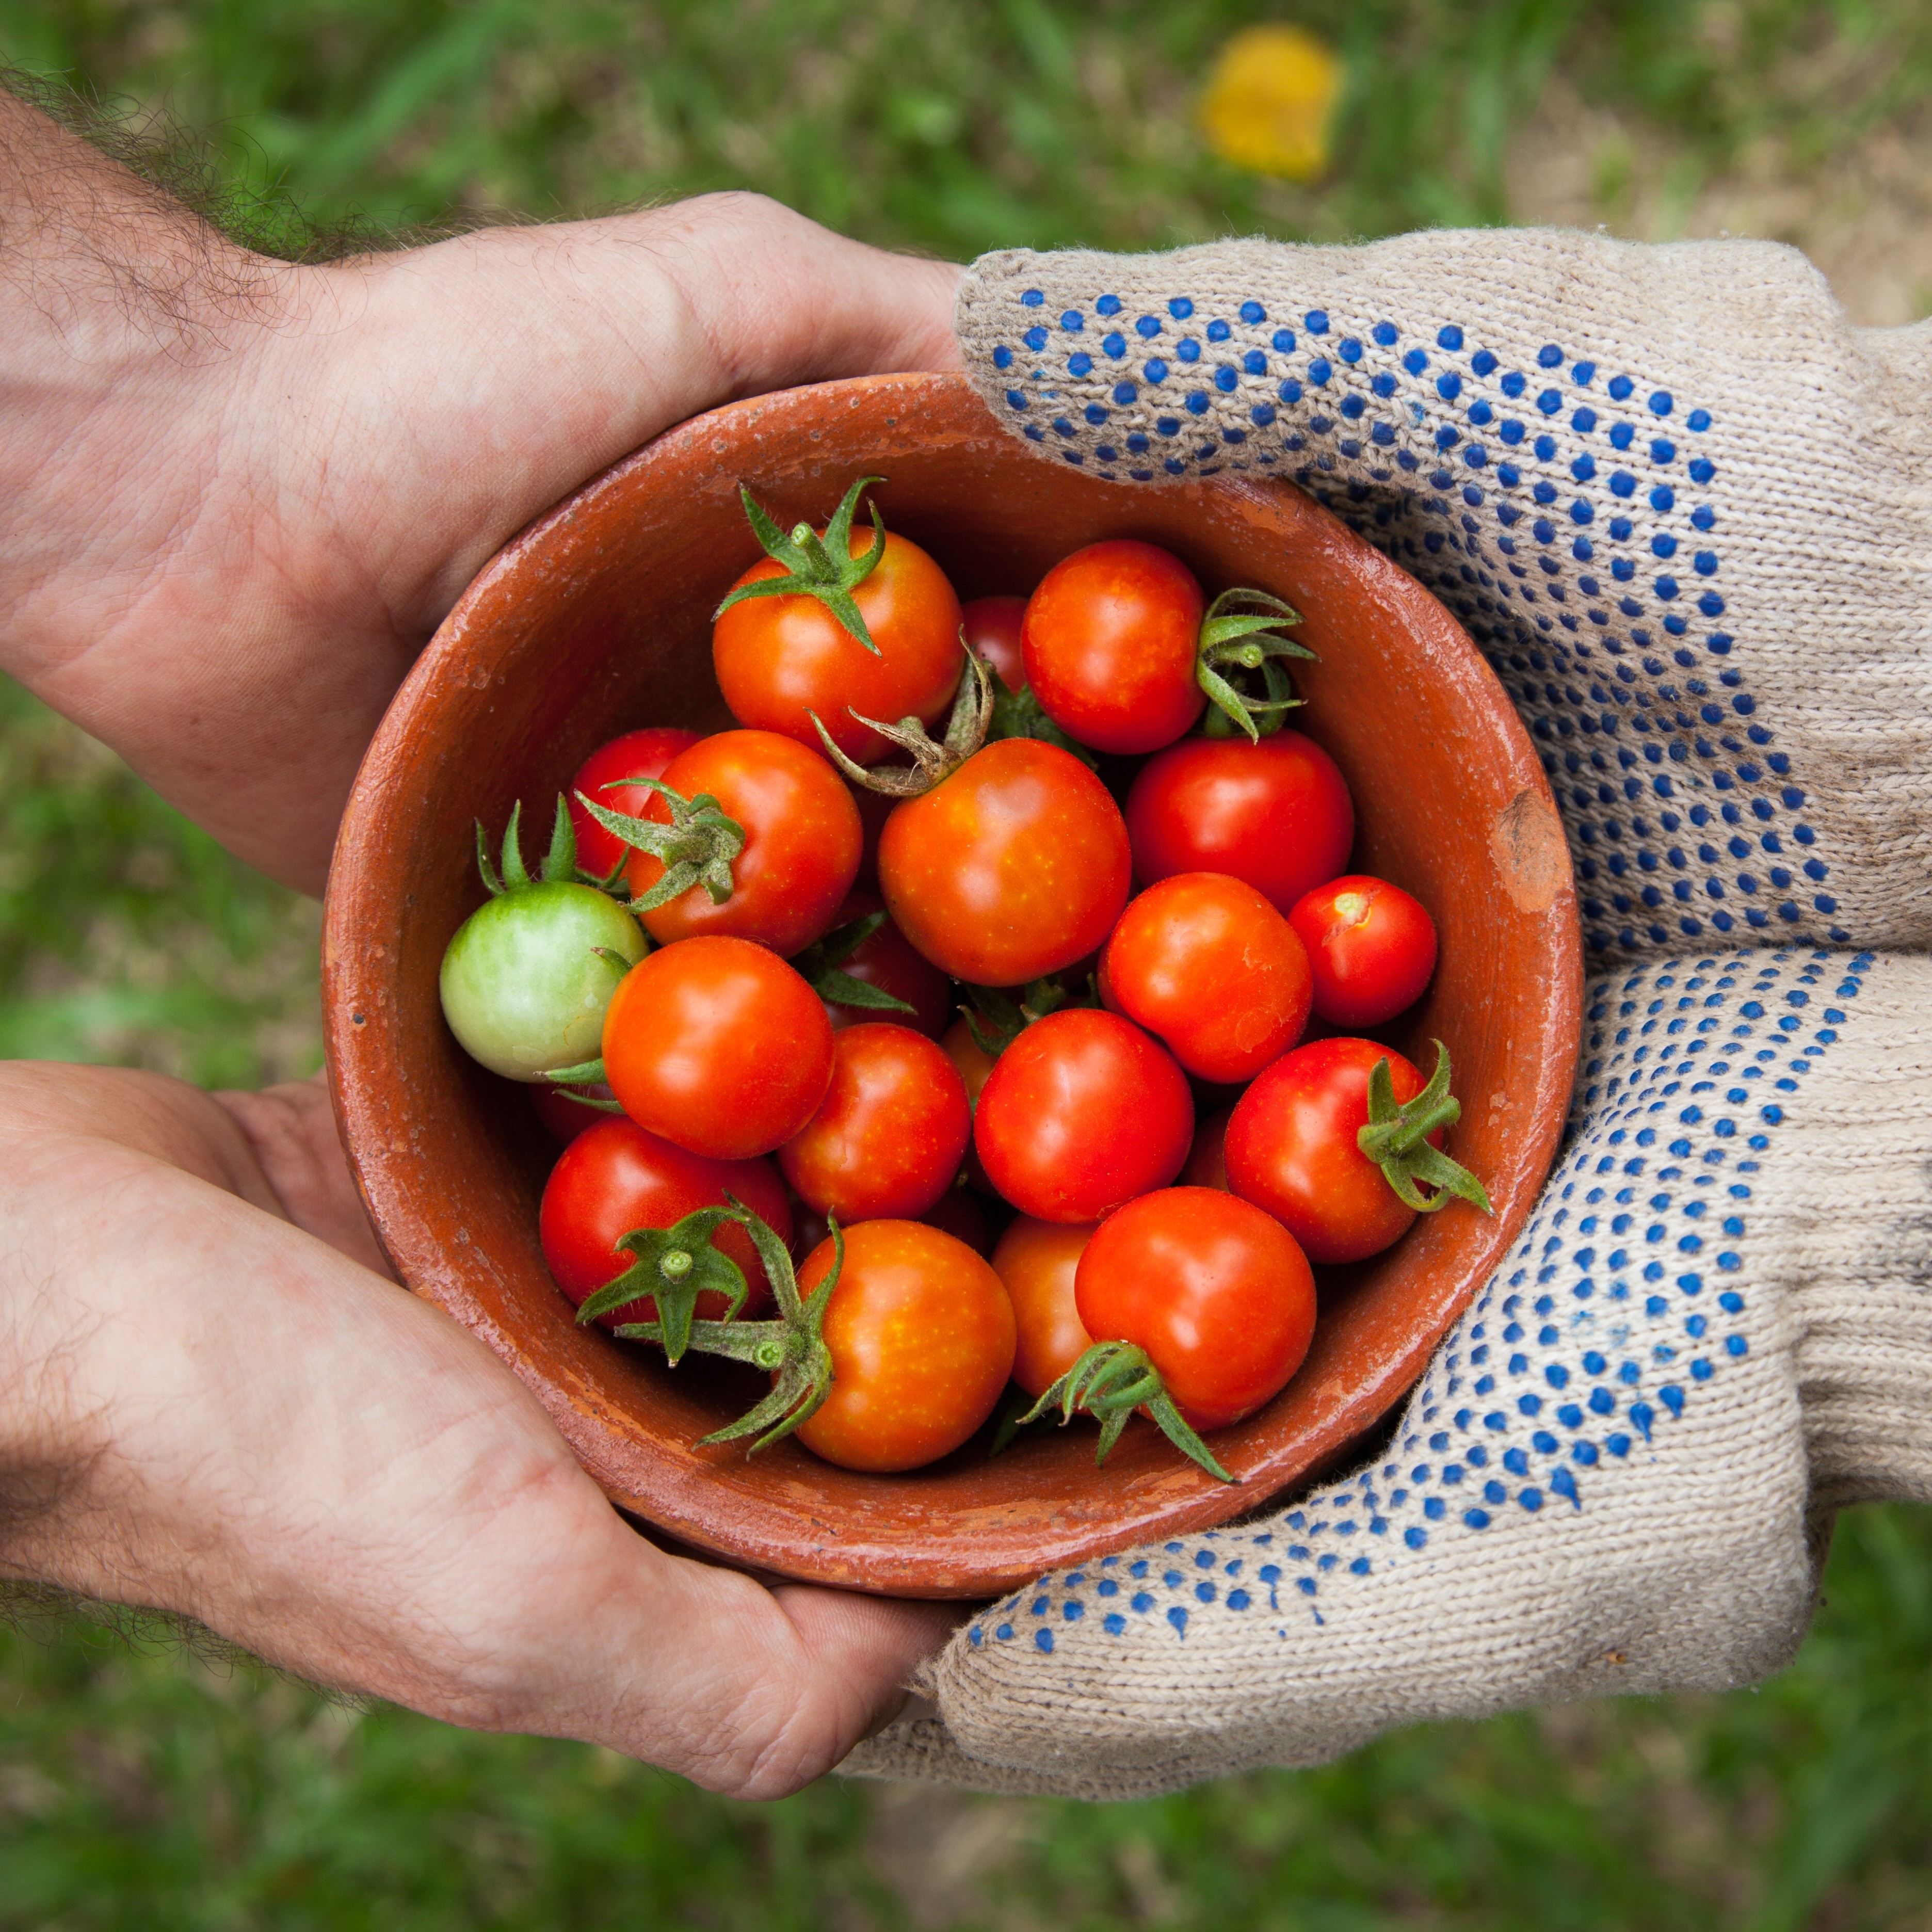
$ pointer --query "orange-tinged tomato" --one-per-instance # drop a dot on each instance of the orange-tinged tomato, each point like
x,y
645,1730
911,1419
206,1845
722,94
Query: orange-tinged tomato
x,y
921,1334
1016,866
719,1046
1038,1260
802,841
1207,963
779,659
888,1138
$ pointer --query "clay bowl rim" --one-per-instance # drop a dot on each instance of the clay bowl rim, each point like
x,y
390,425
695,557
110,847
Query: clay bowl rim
x,y
365,1123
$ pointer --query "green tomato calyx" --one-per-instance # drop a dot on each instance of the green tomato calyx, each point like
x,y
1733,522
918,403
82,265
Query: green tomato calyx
x,y
1110,1381
1237,652
815,566
559,864
1397,1139
674,1265
818,965
696,848
995,1019
1019,714
966,731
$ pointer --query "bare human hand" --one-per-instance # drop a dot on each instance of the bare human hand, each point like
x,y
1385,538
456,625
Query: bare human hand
x,y
241,494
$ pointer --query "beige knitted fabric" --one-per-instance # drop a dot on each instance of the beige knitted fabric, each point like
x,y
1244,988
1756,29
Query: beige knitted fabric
x,y
1614,1477
1684,509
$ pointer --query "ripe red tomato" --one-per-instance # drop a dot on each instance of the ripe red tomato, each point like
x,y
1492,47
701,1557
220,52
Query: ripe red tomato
x,y
974,1063
888,1138
1037,1260
779,659
1014,867
564,1115
617,1178
888,961
719,1046
1111,639
1207,963
1207,1158
958,1213
802,842
1081,1112
992,628
1216,1292
1276,813
921,1334
1372,948
1292,1148
636,754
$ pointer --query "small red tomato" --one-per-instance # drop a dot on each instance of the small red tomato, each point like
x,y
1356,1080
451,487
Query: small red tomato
x,y
636,754
616,1178
1371,945
1276,813
974,1063
958,1213
802,842
1217,1293
1111,639
888,961
563,1111
874,808
888,1138
1037,1260
1207,1158
992,628
1014,867
779,659
1207,963
921,1335
1292,1148
1081,1112
719,1046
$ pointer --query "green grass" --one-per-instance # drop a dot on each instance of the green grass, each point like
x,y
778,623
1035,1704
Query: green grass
x,y
141,1787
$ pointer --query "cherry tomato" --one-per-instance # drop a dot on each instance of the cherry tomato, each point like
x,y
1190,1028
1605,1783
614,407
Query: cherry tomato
x,y
1016,866
974,1063
1037,1260
1207,963
1372,948
888,961
1111,638
779,659
1216,1292
1277,814
992,628
719,1046
1207,1158
887,1139
636,754
802,842
1292,1148
874,808
921,1333
617,1178
1081,1112
958,1214
565,1113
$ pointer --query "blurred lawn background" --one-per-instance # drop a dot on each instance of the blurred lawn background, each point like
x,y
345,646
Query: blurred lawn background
x,y
141,1787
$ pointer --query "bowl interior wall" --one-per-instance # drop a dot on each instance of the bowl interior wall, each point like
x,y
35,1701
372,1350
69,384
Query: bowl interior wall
x,y
597,621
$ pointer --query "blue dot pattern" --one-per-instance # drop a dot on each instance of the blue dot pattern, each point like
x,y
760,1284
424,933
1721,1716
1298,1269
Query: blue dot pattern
x,y
1571,515
1629,1294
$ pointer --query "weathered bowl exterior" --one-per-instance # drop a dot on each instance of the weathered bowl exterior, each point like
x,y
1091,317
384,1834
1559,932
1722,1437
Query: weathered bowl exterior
x,y
597,619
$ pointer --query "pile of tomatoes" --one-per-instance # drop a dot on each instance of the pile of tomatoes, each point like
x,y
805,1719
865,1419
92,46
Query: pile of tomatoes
x,y
905,1066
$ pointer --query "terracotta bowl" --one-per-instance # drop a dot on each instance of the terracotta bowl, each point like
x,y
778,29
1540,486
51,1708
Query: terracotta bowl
x,y
597,619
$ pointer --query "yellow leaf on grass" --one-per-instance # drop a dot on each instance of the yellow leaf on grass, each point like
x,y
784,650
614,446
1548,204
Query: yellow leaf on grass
x,y
1269,100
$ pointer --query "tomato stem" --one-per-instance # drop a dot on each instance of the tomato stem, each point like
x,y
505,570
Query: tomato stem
x,y
823,567
696,848
1397,1139
1236,642
965,732
1110,1381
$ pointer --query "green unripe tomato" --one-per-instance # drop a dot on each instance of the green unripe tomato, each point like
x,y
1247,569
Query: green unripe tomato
x,y
523,986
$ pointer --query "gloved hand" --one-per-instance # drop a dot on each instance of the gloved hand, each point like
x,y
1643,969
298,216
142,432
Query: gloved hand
x,y
1683,508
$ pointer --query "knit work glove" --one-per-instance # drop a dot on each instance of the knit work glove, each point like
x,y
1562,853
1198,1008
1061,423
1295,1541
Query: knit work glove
x,y
1684,510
